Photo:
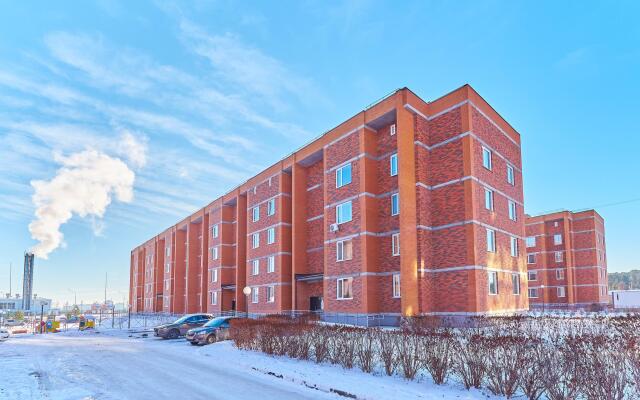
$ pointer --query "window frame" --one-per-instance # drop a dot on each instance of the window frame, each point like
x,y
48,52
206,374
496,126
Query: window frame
x,y
556,258
515,282
215,231
530,240
511,175
255,295
340,288
560,276
513,246
255,267
487,163
393,164
271,294
395,244
340,175
255,240
395,286
344,250
271,264
395,200
493,274
556,241
533,290
271,207
561,289
531,257
533,273
488,199
513,210
255,214
340,212
271,235
491,241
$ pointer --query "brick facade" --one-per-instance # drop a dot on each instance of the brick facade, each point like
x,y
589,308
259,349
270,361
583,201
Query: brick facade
x,y
567,260
412,177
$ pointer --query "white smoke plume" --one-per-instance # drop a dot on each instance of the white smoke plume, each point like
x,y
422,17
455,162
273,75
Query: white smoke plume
x,y
84,186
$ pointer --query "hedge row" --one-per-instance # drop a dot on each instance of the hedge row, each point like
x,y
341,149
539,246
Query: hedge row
x,y
554,358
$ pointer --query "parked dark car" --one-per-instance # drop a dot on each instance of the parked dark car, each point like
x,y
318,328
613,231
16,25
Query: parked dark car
x,y
180,326
211,332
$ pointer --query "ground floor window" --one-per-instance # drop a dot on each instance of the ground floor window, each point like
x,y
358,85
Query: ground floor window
x,y
493,282
516,283
396,285
533,293
271,294
255,293
345,288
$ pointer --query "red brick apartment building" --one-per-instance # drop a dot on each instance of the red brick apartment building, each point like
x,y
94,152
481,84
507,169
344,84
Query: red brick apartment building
x,y
407,208
567,260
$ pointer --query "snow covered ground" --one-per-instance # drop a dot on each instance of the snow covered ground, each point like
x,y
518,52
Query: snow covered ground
x,y
112,365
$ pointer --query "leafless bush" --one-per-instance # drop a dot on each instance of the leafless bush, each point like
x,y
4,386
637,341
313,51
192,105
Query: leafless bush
x,y
366,349
470,357
409,357
437,354
559,372
388,344
531,372
504,360
603,373
320,344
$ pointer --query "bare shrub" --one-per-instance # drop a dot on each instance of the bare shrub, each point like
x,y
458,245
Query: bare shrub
x,y
559,371
366,349
603,373
389,349
531,372
470,357
504,360
437,354
409,353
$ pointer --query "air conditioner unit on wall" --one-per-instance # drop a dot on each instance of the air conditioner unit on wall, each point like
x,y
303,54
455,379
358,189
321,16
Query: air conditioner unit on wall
x,y
334,228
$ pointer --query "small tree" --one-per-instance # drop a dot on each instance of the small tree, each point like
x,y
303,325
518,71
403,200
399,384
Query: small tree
x,y
19,315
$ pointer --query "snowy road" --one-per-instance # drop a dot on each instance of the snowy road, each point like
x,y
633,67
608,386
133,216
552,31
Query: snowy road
x,y
111,365
96,366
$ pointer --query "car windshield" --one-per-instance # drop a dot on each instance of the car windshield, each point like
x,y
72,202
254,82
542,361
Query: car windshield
x,y
182,319
216,322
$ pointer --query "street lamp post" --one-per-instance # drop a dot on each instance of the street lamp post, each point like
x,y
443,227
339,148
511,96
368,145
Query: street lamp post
x,y
542,287
247,292
42,316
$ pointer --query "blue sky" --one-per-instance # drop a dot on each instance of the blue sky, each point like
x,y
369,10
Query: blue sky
x,y
161,107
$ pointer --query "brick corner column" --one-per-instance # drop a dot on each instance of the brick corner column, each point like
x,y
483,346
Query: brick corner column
x,y
408,209
298,227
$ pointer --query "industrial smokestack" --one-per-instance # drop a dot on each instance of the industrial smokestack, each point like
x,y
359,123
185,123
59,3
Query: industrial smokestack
x,y
27,281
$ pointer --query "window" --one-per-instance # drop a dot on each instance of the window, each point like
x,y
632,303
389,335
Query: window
x,y
513,215
255,268
214,298
515,279
214,253
531,258
531,241
533,275
271,264
491,240
256,213
167,267
255,293
533,293
396,286
214,231
488,199
167,251
166,284
343,175
560,291
271,207
345,289
511,177
560,274
393,165
271,294
395,204
255,240
344,250
558,256
493,282
271,235
557,239
392,129
214,275
486,158
343,212
514,246
395,244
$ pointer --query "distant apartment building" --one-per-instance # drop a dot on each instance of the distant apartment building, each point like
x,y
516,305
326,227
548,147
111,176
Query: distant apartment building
x,y
567,260
407,208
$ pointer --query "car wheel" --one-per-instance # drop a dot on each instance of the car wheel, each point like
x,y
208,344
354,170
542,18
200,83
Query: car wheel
x,y
193,343
173,334
211,339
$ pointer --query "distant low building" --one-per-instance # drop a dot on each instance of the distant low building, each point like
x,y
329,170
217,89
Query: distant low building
x,y
625,299
13,304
